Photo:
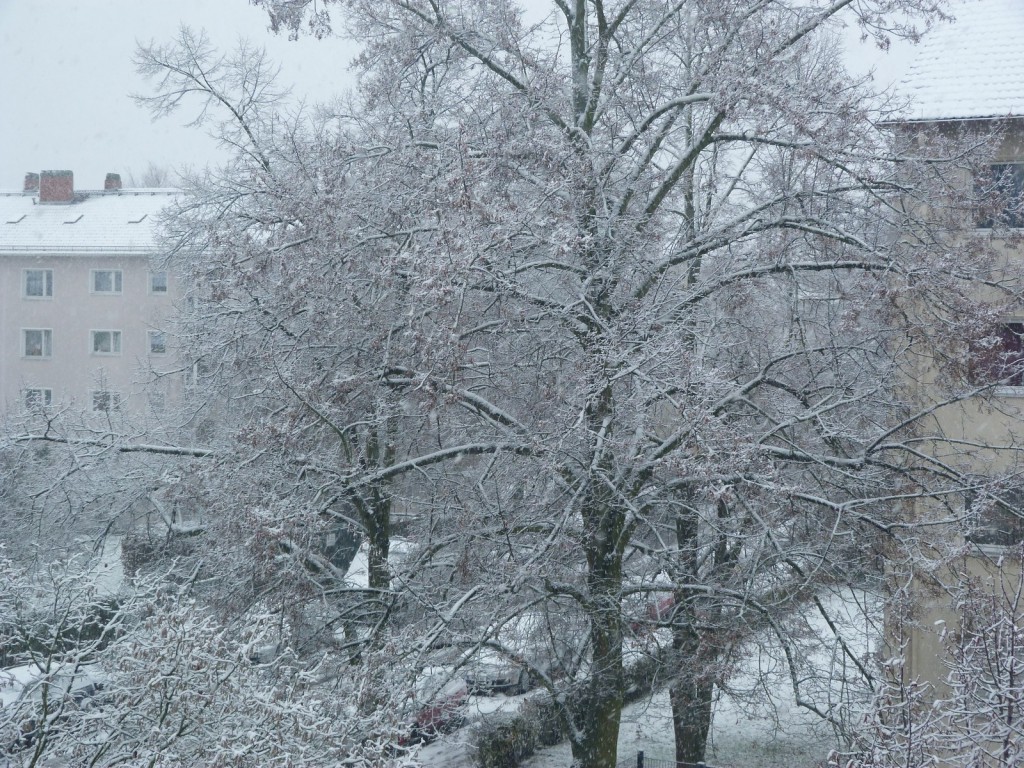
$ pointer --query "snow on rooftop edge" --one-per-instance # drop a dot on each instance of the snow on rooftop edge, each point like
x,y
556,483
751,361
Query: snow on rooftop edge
x,y
123,221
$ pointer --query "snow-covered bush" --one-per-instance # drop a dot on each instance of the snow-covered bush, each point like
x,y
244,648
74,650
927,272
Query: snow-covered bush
x,y
178,686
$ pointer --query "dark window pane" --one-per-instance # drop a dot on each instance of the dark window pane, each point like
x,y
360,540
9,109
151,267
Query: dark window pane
x,y
998,520
37,398
39,283
103,400
38,342
1002,196
999,358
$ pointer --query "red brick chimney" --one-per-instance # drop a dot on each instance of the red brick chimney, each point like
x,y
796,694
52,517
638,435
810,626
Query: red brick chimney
x,y
112,183
31,184
56,187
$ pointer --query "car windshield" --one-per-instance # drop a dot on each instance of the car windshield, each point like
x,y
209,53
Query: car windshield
x,y
434,683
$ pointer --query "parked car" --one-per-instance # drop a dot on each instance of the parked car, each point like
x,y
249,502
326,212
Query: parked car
x,y
438,704
494,672
31,696
532,642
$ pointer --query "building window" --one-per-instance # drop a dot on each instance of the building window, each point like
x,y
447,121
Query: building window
x,y
37,342
157,402
37,284
1002,195
104,400
198,371
999,357
157,343
105,342
105,280
37,397
997,518
158,282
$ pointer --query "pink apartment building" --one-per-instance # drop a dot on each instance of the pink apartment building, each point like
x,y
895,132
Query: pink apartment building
x,y
84,302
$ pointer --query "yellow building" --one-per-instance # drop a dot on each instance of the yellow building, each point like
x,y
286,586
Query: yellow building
x,y
968,77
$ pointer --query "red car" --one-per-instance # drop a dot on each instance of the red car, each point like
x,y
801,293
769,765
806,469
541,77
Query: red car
x,y
657,613
440,702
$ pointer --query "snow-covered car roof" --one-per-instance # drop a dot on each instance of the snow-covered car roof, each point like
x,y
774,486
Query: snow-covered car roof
x,y
434,682
13,681
17,682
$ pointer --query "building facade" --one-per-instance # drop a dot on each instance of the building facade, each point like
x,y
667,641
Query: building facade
x,y
85,305
968,78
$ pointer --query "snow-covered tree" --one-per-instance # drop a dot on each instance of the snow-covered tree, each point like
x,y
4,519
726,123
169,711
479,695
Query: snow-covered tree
x,y
614,303
149,676
70,486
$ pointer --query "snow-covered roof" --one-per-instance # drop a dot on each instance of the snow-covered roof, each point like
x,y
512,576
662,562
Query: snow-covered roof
x,y
122,221
972,68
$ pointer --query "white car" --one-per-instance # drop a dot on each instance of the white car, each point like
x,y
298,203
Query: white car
x,y
532,642
494,672
25,689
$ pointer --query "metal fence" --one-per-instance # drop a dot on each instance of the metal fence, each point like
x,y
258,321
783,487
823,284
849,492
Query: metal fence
x,y
647,762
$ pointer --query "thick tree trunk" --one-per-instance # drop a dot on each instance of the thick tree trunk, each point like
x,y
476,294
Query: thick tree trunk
x,y
597,712
599,709
377,511
692,687
378,534
691,694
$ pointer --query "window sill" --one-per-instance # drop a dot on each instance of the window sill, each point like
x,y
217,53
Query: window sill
x,y
996,550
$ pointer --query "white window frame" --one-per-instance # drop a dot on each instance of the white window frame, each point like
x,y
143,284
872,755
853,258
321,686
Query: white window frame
x,y
151,285
46,342
150,336
113,400
116,339
116,278
47,294
196,372
37,397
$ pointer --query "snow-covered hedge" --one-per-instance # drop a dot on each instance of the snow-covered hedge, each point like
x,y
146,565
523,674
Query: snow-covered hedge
x,y
506,742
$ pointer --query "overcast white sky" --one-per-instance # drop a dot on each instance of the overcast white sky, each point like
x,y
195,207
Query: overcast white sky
x,y
66,72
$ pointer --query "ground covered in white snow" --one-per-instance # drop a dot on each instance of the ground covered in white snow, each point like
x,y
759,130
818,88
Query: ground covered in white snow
x,y
771,733
738,740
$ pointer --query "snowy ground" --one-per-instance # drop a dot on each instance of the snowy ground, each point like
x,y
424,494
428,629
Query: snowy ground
x,y
738,740
774,733
107,571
